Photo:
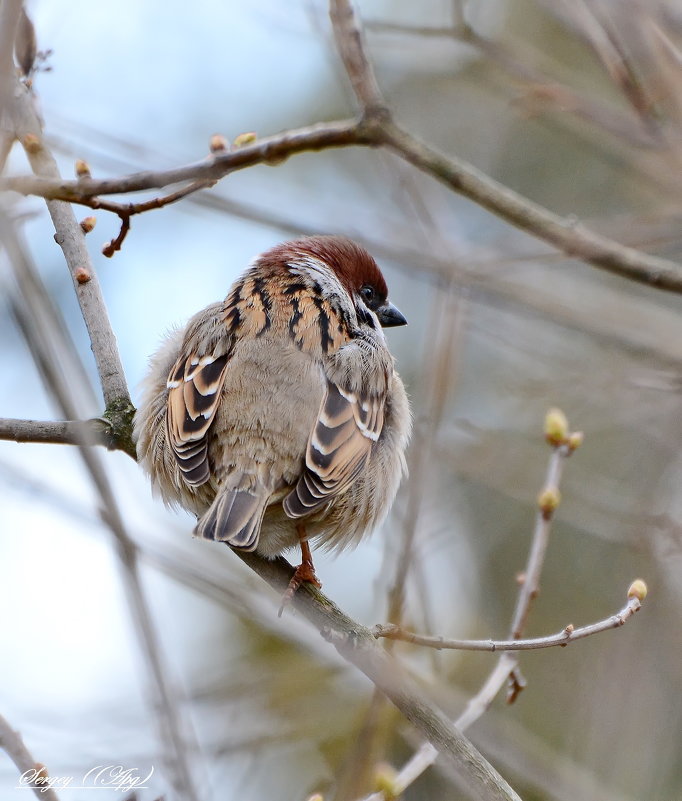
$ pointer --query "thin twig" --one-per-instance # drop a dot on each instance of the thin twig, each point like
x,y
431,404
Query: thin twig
x,y
506,669
116,244
566,636
440,348
10,14
540,89
270,150
616,62
530,586
350,45
33,773
126,210
529,589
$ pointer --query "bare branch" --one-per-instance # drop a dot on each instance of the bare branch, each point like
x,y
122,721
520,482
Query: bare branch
x,y
35,773
270,150
541,89
357,645
10,14
350,44
63,432
125,212
615,60
71,239
565,233
172,730
113,429
506,669
566,636
530,584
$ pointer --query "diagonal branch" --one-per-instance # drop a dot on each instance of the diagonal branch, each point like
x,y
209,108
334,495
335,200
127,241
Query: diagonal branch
x,y
567,234
350,44
71,239
357,645
33,774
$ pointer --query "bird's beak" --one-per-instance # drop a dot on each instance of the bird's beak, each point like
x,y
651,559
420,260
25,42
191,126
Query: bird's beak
x,y
389,316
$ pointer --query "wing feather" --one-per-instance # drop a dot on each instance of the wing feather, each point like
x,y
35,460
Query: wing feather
x,y
194,385
339,445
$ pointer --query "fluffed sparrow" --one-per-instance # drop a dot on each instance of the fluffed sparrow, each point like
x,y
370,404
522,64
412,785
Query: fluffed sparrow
x,y
276,415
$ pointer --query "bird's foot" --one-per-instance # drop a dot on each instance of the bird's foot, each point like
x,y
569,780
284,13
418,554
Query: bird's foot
x,y
304,572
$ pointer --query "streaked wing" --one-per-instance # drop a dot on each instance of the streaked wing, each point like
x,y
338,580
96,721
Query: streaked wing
x,y
194,386
346,427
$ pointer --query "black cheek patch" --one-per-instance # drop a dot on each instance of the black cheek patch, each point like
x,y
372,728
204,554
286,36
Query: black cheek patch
x,y
364,316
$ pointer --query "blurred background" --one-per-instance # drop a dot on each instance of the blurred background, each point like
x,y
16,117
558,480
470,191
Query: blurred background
x,y
576,105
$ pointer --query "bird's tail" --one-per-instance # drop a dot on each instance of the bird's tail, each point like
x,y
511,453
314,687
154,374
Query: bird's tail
x,y
235,517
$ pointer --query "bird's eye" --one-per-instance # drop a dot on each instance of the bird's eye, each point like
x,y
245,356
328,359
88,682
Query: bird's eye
x,y
367,293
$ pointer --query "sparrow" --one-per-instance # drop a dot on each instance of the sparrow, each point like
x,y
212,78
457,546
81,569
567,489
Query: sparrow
x,y
276,416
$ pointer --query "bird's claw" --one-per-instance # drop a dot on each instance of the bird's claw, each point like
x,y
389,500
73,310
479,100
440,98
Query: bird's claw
x,y
304,572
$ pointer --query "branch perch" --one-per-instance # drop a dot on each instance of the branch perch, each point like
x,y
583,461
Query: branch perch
x,y
357,645
567,234
62,432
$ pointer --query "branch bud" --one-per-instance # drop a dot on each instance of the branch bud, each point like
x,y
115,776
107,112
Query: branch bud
x,y
548,501
556,427
81,275
218,144
41,775
575,440
385,781
31,143
87,224
638,590
82,169
245,139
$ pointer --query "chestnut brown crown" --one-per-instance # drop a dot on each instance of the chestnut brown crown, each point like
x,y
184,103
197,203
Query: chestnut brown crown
x,y
354,267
